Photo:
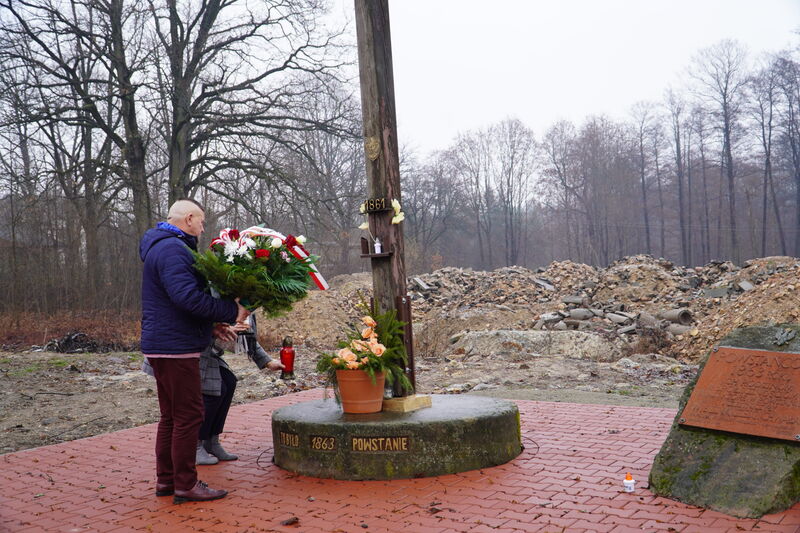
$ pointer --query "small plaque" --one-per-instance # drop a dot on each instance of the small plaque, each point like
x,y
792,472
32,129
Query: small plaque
x,y
292,440
375,205
323,443
372,147
754,392
381,444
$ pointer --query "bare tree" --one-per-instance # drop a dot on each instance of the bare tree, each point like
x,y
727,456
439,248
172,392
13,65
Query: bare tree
x,y
789,77
233,72
474,166
90,49
432,198
764,92
699,127
515,150
675,105
643,117
719,72
559,169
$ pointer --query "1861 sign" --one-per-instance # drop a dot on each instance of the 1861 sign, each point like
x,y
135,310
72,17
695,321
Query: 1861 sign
x,y
374,205
754,392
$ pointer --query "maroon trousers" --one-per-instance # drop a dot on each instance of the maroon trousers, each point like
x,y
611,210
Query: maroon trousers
x,y
181,405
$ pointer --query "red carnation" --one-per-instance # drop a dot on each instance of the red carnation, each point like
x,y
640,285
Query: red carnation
x,y
234,234
261,252
290,242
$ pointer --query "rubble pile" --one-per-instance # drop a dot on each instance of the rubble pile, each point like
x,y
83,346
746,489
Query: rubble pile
x,y
694,306
635,298
452,288
641,278
774,299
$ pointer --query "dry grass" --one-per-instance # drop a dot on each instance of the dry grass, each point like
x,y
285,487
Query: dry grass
x,y
22,330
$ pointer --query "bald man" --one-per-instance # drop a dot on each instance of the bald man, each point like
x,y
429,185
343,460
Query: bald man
x,y
178,316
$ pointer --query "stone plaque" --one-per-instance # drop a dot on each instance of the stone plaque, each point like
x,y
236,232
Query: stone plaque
x,y
755,392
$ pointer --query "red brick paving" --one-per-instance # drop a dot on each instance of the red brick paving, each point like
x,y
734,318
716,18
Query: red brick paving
x,y
568,478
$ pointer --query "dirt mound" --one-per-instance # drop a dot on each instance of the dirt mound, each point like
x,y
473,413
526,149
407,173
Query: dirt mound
x,y
641,278
323,317
569,277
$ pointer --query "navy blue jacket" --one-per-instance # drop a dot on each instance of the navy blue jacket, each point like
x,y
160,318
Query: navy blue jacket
x,y
177,313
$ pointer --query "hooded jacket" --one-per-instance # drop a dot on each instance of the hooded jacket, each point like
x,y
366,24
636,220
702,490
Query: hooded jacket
x,y
177,313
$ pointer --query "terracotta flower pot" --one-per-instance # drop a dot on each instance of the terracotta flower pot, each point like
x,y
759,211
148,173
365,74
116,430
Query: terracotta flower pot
x,y
358,393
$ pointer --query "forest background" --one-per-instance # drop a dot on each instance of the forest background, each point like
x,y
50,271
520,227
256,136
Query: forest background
x,y
112,109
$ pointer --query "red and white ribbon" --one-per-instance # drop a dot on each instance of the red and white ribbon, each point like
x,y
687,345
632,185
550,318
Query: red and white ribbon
x,y
258,231
301,254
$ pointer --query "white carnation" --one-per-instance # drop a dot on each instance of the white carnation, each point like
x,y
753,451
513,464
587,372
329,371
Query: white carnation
x,y
231,247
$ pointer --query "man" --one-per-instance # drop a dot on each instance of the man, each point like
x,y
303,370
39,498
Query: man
x,y
177,321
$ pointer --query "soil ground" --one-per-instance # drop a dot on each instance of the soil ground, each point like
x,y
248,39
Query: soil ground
x,y
473,332
50,397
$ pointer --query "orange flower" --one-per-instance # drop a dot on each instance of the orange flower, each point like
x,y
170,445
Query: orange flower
x,y
365,360
367,333
359,345
346,354
335,360
353,365
369,321
377,348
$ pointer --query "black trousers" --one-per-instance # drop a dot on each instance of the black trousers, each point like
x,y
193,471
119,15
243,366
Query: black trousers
x,y
216,407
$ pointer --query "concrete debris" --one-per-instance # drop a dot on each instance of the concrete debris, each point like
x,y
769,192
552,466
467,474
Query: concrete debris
x,y
649,303
633,295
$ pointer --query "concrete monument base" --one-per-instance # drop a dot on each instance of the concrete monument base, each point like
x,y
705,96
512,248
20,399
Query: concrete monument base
x,y
457,433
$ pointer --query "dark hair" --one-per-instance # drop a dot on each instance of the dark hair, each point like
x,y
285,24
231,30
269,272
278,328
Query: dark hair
x,y
195,202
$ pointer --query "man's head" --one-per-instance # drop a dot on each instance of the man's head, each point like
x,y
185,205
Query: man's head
x,y
187,215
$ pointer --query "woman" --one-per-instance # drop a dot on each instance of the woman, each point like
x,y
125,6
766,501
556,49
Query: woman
x,y
218,384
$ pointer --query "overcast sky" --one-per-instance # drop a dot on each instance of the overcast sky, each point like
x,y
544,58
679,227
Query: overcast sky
x,y
465,64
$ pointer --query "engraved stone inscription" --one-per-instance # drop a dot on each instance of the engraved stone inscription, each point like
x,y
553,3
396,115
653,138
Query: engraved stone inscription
x,y
380,444
753,392
323,443
289,439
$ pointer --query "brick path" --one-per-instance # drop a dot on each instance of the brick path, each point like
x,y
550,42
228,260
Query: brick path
x,y
568,478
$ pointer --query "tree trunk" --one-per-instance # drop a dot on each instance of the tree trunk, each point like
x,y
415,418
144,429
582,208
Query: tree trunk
x,y
735,255
645,211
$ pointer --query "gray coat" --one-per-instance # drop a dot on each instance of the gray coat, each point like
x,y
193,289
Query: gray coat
x,y
211,361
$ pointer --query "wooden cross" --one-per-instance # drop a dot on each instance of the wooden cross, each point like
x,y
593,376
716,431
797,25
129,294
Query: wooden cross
x,y
383,162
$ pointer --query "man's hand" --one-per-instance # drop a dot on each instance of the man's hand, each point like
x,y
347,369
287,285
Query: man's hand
x,y
275,365
223,332
243,312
